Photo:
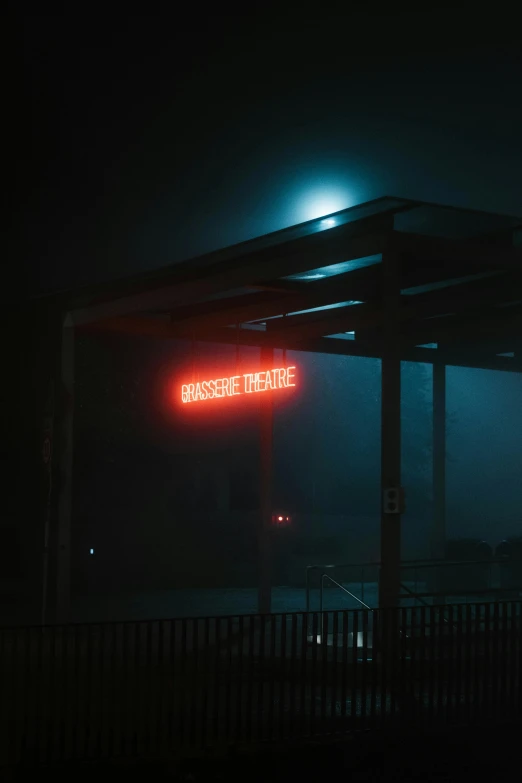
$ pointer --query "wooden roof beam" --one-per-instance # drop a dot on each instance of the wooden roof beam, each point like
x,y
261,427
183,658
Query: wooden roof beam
x,y
442,252
358,284
346,242
500,325
162,329
369,318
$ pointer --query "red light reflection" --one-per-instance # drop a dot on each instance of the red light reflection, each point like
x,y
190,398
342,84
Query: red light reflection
x,y
281,520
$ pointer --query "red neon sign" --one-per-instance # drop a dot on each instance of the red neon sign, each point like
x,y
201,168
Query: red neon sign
x,y
234,385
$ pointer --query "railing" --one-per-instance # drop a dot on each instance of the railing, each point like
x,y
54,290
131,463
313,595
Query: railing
x,y
172,688
414,595
361,568
422,601
341,587
434,579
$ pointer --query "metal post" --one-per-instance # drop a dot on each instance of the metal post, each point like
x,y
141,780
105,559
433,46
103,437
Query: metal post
x,y
47,453
439,462
63,538
389,583
266,439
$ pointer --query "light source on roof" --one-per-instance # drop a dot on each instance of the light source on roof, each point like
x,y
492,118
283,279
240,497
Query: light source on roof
x,y
328,222
322,201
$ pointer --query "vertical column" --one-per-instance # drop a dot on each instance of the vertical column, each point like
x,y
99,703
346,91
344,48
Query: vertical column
x,y
63,537
389,583
47,454
438,538
223,488
266,441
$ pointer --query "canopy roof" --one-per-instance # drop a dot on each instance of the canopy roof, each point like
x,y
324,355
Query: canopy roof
x,y
320,286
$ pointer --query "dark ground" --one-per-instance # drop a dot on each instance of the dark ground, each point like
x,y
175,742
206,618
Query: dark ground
x,y
461,755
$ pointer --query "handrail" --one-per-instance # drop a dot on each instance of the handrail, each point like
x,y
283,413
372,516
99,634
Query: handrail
x,y
341,565
441,563
321,568
417,597
410,564
405,565
343,588
425,603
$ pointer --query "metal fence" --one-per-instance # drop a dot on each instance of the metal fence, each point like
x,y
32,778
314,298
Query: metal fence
x,y
179,687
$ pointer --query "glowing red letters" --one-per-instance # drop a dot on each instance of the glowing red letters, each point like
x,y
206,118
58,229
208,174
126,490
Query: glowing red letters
x,y
249,383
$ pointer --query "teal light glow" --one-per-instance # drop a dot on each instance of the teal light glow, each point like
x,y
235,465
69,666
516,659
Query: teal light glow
x,y
328,222
321,202
327,307
336,269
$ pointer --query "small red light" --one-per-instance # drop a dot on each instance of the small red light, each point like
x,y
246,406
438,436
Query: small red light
x,y
280,519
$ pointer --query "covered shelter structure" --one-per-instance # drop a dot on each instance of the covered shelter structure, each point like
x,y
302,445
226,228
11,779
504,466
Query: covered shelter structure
x,y
393,279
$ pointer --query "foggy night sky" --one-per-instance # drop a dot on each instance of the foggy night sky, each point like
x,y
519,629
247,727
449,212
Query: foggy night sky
x,y
142,140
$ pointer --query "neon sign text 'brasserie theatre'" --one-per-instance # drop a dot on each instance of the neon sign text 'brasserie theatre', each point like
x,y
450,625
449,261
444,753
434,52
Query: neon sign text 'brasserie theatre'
x,y
248,383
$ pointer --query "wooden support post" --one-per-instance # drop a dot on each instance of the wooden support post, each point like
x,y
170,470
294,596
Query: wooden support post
x,y
266,442
63,532
438,538
389,583
47,454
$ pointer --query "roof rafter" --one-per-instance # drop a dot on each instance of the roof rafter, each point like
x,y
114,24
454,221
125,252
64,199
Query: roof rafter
x,y
474,255
346,242
502,324
161,328
359,284
369,318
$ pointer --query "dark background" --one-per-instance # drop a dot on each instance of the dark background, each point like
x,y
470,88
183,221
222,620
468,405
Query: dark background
x,y
141,140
